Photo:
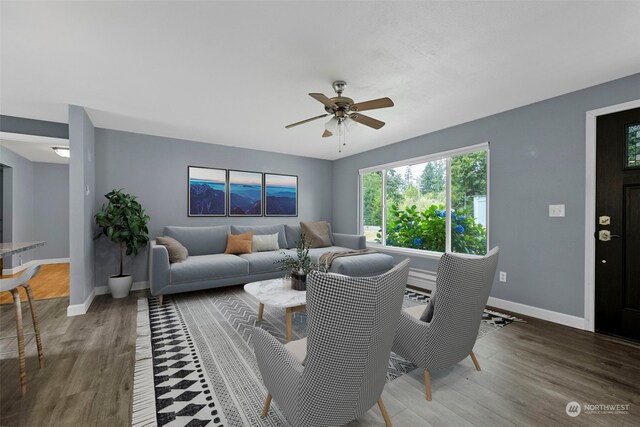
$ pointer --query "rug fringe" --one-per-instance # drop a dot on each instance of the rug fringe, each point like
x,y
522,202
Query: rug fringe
x,y
144,398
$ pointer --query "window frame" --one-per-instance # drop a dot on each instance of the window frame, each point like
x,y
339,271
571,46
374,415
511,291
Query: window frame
x,y
446,155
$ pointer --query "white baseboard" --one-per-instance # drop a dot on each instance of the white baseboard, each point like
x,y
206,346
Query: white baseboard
x,y
425,279
18,269
78,309
137,286
538,313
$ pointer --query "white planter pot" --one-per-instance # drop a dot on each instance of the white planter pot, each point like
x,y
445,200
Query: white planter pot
x,y
120,285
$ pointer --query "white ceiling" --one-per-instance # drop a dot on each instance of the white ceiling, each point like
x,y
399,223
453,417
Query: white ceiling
x,y
236,73
34,148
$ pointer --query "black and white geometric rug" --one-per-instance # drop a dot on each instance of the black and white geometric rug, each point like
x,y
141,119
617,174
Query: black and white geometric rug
x,y
195,364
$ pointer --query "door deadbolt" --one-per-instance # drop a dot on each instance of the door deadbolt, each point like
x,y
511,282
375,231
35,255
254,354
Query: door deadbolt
x,y
604,220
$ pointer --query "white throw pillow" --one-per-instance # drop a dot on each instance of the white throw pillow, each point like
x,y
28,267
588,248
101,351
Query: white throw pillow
x,y
265,242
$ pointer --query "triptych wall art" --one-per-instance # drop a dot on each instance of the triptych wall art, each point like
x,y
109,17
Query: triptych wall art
x,y
221,192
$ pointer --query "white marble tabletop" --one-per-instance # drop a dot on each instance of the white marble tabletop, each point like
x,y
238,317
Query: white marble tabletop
x,y
277,293
11,248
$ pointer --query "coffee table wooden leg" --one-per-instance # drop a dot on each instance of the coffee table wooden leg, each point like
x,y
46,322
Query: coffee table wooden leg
x,y
260,311
289,323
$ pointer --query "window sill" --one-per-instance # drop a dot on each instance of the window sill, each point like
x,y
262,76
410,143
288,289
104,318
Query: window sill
x,y
405,251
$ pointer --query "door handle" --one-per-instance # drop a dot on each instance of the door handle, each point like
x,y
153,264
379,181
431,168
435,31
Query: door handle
x,y
605,235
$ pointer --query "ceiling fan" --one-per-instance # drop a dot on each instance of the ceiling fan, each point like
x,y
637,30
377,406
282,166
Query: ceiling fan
x,y
344,109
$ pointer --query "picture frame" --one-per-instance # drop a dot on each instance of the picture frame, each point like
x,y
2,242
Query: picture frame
x,y
244,193
207,189
280,195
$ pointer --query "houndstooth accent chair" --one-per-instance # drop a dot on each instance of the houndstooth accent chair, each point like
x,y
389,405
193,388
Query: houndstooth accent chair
x,y
463,284
351,324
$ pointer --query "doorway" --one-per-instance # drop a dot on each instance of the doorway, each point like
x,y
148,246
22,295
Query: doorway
x,y
617,224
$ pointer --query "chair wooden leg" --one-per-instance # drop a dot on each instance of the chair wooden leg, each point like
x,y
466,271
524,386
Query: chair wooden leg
x,y
267,403
260,311
20,334
36,324
160,300
475,361
427,384
385,415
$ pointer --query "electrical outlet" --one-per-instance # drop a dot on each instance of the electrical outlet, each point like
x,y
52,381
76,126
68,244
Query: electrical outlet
x,y
503,276
556,210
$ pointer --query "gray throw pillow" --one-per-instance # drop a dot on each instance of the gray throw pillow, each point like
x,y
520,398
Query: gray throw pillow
x,y
317,234
427,314
265,242
177,252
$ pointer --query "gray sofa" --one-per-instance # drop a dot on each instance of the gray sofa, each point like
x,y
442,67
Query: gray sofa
x,y
209,267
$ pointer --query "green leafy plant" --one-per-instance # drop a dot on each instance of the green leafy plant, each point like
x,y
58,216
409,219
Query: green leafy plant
x,y
301,263
411,228
125,222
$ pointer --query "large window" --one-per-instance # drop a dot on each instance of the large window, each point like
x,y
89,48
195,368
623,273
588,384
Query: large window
x,y
436,203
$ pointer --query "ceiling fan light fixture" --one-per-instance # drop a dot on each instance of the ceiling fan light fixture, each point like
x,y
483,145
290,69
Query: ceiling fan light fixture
x,y
332,124
62,151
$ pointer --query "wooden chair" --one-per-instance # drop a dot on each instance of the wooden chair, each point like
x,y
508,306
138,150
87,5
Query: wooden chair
x,y
12,285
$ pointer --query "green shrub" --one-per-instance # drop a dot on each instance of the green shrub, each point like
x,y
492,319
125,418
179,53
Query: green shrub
x,y
410,228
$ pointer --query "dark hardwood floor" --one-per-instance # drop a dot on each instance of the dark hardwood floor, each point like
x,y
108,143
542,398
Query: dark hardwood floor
x,y
530,371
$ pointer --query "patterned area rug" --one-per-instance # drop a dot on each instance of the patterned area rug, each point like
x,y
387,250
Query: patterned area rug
x,y
195,364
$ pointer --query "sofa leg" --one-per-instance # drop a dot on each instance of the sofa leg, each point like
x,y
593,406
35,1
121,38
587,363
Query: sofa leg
x,y
160,299
427,384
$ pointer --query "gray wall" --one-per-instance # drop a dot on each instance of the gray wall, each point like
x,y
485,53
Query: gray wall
x,y
19,224
81,205
155,169
51,209
33,127
537,159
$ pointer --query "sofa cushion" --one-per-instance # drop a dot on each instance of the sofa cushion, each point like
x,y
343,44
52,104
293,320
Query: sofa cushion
x,y
317,234
239,243
293,235
265,242
263,229
200,240
263,262
177,252
203,267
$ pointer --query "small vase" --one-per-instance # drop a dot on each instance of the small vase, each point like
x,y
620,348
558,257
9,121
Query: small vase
x,y
299,281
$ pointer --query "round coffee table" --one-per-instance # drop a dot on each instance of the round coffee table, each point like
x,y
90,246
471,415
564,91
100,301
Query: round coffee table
x,y
278,293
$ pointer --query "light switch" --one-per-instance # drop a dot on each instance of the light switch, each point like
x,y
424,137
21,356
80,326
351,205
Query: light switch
x,y
556,210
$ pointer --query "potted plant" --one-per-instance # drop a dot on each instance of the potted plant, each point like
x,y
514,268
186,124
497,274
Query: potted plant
x,y
300,265
125,222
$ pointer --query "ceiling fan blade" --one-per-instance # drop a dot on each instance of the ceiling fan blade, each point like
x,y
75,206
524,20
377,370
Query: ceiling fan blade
x,y
326,101
366,120
372,105
306,121
326,134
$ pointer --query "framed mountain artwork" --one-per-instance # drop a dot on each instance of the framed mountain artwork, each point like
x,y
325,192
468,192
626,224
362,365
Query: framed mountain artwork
x,y
207,191
280,195
245,193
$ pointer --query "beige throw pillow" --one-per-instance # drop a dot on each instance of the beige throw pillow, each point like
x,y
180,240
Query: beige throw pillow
x,y
265,242
317,234
177,252
239,243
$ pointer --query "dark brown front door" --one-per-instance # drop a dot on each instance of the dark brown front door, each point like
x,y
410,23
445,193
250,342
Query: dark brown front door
x,y
617,310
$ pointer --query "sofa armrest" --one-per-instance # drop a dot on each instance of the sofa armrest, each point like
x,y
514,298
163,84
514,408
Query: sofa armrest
x,y
159,272
351,241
